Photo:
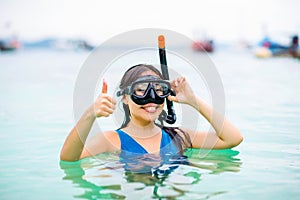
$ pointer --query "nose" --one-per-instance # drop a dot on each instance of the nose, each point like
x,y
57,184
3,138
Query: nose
x,y
152,95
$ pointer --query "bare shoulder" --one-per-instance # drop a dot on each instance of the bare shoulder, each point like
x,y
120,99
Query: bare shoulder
x,y
102,142
195,132
113,138
198,138
111,135
188,131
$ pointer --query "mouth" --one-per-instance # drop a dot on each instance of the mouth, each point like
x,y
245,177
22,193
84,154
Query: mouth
x,y
150,108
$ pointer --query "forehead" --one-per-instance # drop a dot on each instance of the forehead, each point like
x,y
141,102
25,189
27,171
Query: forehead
x,y
149,72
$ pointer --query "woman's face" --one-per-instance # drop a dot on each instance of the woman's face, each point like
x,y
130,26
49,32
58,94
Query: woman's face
x,y
147,113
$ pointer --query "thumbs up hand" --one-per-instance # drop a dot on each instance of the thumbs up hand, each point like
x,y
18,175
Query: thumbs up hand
x,y
104,104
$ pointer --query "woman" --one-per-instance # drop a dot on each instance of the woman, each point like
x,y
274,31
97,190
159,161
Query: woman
x,y
143,92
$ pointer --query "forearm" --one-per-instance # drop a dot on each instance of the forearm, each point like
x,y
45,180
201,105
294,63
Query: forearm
x,y
75,141
224,129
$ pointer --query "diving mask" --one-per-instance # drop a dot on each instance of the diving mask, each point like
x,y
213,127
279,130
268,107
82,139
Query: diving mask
x,y
148,89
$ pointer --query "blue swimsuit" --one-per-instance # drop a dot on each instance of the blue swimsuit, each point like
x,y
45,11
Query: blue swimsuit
x,y
128,144
136,158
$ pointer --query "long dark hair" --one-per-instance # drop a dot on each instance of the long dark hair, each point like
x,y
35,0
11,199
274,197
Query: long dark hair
x,y
179,137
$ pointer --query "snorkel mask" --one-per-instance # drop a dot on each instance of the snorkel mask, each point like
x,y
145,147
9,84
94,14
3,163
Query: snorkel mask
x,y
148,89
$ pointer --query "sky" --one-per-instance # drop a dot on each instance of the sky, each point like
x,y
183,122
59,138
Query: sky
x,y
97,20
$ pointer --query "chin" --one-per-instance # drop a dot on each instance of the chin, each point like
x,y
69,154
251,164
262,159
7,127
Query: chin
x,y
151,117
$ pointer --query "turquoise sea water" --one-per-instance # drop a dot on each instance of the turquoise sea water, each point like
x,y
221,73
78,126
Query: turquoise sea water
x,y
36,114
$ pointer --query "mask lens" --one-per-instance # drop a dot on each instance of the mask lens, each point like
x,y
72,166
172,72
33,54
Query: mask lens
x,y
161,88
139,89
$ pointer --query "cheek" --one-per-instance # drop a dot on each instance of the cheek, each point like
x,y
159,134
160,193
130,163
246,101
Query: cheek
x,y
162,106
160,109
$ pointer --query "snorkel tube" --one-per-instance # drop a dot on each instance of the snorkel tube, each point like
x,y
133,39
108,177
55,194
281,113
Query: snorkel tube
x,y
171,117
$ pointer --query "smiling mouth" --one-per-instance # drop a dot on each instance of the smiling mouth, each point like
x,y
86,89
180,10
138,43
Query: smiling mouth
x,y
150,109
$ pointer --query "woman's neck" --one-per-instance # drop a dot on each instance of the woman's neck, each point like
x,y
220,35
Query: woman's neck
x,y
142,131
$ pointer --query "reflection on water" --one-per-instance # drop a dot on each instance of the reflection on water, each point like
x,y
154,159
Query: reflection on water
x,y
216,161
106,176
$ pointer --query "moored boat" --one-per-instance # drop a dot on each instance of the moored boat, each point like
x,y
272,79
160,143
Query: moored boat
x,y
9,44
204,46
268,48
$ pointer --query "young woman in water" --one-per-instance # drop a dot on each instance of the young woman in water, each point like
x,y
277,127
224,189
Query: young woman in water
x,y
143,92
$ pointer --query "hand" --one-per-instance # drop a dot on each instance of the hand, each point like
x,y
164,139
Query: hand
x,y
104,104
183,90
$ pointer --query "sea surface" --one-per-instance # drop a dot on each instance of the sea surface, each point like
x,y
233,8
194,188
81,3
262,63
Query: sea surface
x,y
261,97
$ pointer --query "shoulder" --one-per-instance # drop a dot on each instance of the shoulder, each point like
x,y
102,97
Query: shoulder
x,y
202,139
106,141
101,142
113,138
111,134
193,133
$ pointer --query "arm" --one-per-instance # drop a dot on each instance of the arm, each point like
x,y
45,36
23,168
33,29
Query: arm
x,y
74,143
73,147
226,135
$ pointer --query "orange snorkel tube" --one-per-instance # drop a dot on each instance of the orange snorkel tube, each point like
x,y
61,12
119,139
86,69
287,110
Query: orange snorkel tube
x,y
171,117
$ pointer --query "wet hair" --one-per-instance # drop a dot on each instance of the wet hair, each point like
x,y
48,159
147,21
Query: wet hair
x,y
181,140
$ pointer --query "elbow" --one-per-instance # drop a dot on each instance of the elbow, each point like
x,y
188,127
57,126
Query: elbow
x,y
67,158
237,140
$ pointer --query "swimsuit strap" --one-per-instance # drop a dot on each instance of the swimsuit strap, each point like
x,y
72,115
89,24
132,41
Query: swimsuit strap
x,y
130,145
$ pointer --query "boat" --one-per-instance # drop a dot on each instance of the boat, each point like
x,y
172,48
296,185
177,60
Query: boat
x,y
71,44
268,48
203,46
9,44
8,39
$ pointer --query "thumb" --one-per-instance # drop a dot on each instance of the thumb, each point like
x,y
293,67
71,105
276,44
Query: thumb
x,y
104,86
